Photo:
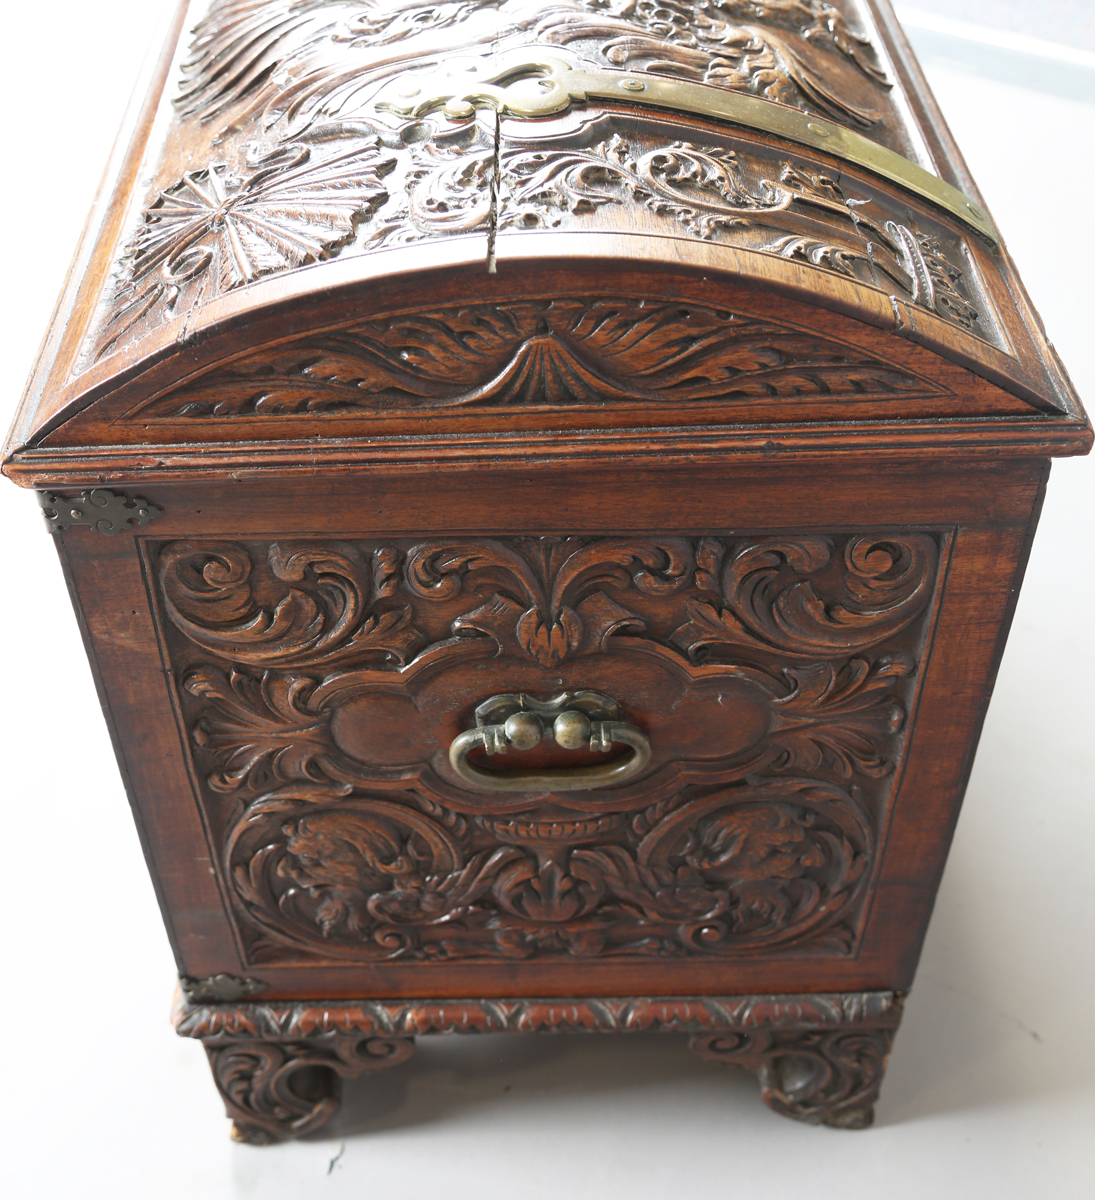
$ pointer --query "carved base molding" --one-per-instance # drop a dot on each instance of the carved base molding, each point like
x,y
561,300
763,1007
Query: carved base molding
x,y
278,1065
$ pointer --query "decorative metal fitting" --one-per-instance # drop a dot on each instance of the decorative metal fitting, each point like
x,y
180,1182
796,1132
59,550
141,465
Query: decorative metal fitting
x,y
219,989
572,719
527,88
102,510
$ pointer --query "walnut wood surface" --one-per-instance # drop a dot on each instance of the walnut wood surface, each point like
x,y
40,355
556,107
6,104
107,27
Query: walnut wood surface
x,y
346,424
229,700
266,260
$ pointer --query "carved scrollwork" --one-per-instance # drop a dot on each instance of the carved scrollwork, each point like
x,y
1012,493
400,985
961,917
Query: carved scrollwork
x,y
755,829
820,1057
822,1077
736,870
768,598
299,59
338,610
277,1090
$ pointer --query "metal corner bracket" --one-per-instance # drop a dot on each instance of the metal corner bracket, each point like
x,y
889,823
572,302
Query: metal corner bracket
x,y
102,510
544,86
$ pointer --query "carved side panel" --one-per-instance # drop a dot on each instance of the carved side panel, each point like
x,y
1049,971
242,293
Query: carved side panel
x,y
322,684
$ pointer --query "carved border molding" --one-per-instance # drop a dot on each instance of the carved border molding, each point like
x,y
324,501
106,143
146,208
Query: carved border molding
x,y
819,1057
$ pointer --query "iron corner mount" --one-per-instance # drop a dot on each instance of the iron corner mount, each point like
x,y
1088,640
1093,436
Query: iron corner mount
x,y
100,509
545,86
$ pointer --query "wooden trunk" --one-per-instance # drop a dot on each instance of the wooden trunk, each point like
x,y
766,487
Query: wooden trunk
x,y
544,485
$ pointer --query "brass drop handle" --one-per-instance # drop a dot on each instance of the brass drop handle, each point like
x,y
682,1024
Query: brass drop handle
x,y
573,720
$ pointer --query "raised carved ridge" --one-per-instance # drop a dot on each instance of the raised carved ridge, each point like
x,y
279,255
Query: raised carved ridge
x,y
321,737
274,1020
553,353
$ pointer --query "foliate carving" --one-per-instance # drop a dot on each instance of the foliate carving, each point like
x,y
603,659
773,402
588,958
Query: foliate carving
x,y
739,869
822,1077
100,509
837,718
300,59
274,1091
214,231
820,1057
340,608
556,353
298,1021
552,602
344,831
766,597
703,190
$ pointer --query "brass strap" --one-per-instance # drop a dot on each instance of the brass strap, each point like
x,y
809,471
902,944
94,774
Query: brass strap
x,y
546,86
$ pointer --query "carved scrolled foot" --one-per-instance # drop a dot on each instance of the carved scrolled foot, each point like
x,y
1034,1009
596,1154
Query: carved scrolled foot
x,y
278,1090
822,1077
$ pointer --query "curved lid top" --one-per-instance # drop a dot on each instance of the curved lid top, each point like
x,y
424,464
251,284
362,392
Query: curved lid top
x,y
310,182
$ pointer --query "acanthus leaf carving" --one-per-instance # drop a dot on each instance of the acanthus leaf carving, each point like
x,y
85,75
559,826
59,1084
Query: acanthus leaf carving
x,y
559,353
207,594
743,868
329,853
549,599
769,599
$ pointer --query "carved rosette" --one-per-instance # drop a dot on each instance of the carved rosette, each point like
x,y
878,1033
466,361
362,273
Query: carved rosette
x,y
819,1057
323,682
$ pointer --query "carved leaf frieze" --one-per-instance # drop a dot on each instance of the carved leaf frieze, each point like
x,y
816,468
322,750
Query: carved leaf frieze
x,y
332,846
557,353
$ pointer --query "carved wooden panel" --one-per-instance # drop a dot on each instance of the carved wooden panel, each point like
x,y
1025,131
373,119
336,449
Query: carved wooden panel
x,y
550,353
302,60
366,187
321,683
285,151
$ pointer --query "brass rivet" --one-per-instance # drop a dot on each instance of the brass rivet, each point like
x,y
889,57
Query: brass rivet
x,y
571,730
633,85
820,130
459,110
523,730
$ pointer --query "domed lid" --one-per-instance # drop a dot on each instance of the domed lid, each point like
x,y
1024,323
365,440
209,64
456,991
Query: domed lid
x,y
404,232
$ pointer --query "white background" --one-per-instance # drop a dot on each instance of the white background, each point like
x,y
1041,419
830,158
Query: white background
x,y
991,1088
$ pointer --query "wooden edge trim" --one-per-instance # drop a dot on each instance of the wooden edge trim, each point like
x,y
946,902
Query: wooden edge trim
x,y
292,1020
139,466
